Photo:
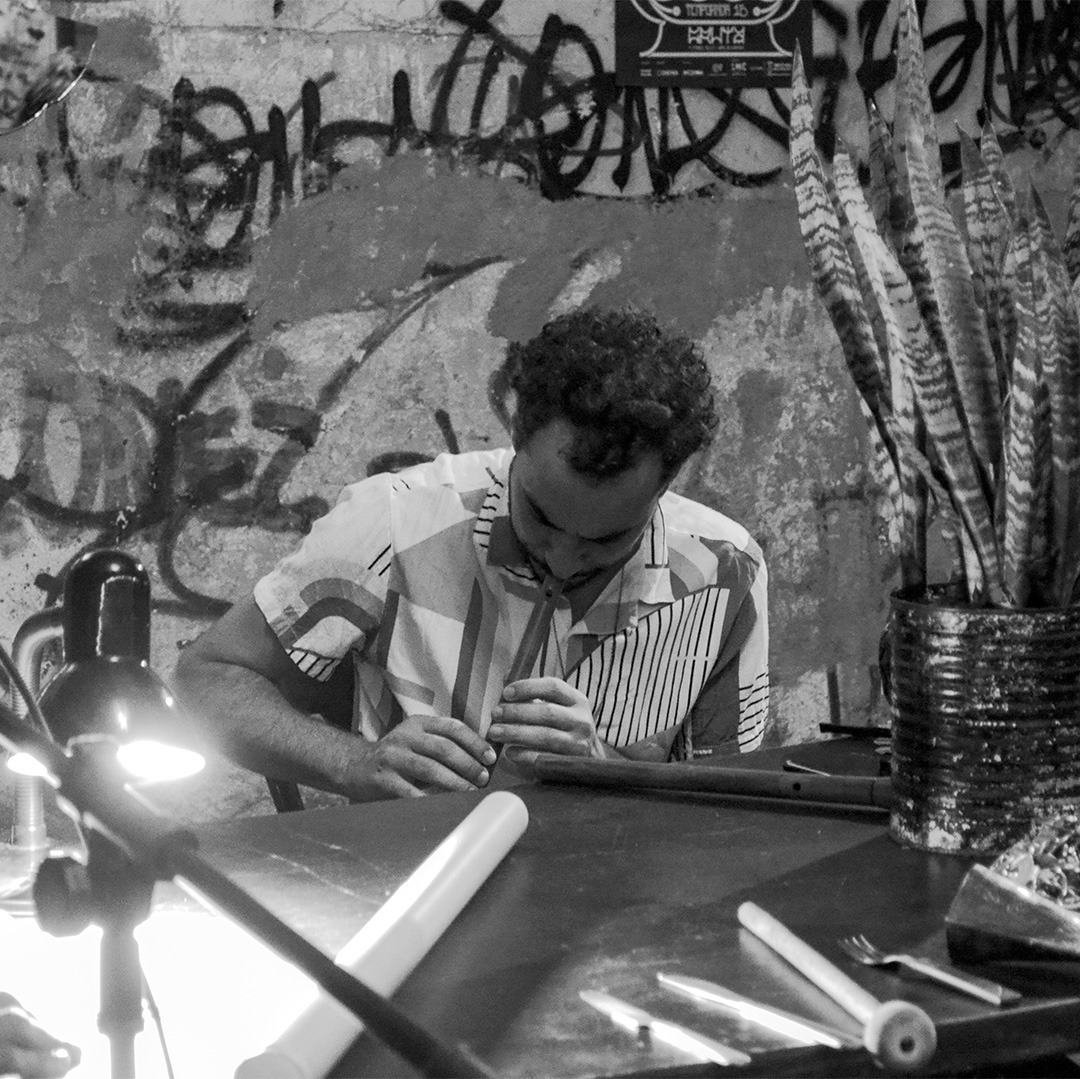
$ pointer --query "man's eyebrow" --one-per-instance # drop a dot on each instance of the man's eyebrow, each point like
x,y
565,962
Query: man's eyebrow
x,y
543,518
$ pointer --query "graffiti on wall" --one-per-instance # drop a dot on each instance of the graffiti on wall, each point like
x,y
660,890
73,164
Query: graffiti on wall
x,y
217,175
156,461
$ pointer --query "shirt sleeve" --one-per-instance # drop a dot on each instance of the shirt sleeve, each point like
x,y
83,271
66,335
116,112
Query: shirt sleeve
x,y
329,596
731,711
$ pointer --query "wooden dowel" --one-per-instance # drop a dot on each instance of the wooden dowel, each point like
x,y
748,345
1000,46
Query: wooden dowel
x,y
866,791
900,1034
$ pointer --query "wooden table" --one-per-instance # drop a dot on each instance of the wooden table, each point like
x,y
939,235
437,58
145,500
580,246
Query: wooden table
x,y
606,888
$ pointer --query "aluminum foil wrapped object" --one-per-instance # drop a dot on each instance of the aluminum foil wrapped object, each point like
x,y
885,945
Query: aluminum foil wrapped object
x,y
1026,904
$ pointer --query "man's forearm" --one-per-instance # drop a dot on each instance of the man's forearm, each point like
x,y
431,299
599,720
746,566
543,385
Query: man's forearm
x,y
249,720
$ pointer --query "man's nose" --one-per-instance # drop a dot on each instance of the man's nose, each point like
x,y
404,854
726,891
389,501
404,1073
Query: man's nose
x,y
565,557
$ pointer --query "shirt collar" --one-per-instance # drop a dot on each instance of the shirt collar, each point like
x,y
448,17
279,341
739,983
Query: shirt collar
x,y
644,580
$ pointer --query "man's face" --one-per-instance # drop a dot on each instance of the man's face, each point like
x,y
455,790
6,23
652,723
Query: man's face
x,y
572,525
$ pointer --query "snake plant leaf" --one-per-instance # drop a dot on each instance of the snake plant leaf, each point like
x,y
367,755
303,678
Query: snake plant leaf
x,y
1007,312
916,462
909,242
862,282
830,263
962,320
951,527
1074,590
884,182
1058,328
1043,555
871,251
1050,334
988,229
994,157
913,107
1071,244
1021,458
935,395
884,470
914,112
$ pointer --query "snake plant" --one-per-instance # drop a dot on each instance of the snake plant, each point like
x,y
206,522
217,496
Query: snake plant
x,y
962,336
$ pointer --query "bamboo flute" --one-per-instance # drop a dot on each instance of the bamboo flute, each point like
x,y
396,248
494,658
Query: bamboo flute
x,y
536,633
868,791
536,630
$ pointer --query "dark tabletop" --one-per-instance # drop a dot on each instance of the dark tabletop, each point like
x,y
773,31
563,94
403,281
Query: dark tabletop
x,y
606,888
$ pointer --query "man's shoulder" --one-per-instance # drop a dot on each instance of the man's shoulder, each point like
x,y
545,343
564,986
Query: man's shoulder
x,y
687,520
706,547
463,473
404,508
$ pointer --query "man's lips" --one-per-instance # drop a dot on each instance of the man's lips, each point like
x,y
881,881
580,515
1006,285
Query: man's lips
x,y
543,571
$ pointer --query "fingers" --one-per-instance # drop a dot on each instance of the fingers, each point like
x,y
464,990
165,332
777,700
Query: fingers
x,y
43,1063
545,714
459,733
30,1051
554,690
541,739
431,752
19,1028
539,713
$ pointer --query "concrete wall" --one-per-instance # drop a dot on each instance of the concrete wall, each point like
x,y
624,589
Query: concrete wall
x,y
266,241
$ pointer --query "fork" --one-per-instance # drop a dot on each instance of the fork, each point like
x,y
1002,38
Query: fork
x,y
862,951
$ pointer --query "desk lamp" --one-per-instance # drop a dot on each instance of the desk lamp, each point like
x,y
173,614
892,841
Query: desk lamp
x,y
108,713
104,701
105,694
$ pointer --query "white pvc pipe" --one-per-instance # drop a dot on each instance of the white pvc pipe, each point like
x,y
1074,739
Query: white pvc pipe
x,y
900,1034
396,938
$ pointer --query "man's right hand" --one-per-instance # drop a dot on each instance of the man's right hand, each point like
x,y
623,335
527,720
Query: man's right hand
x,y
427,753
250,700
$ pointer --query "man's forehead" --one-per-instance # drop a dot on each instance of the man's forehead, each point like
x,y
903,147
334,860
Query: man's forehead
x,y
584,506
563,440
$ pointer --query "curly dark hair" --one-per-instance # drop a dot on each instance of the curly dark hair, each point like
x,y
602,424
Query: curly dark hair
x,y
626,385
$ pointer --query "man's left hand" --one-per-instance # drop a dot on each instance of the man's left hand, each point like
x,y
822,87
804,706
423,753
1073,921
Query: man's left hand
x,y
547,715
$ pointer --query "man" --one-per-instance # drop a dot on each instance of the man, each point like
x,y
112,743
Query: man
x,y
424,582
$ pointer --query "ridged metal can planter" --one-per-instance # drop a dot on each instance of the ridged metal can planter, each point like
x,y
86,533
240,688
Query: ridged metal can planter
x,y
985,721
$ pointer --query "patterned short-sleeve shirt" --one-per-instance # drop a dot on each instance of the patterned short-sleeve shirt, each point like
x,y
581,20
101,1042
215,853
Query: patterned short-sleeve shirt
x,y
418,578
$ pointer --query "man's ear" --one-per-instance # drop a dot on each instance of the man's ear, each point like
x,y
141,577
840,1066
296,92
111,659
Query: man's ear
x,y
516,441
665,484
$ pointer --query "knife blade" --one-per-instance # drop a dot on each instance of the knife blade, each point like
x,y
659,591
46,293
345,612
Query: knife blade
x,y
774,1019
636,1019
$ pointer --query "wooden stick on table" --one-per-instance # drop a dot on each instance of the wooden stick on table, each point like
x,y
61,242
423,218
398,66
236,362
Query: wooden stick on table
x,y
900,1034
870,792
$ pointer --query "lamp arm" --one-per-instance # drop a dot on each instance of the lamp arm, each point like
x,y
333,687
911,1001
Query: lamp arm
x,y
23,668
31,638
91,792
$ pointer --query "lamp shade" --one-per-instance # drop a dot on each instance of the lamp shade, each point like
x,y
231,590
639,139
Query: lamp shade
x,y
105,691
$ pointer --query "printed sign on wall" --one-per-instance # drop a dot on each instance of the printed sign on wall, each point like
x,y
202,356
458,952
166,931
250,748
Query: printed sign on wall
x,y
718,43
